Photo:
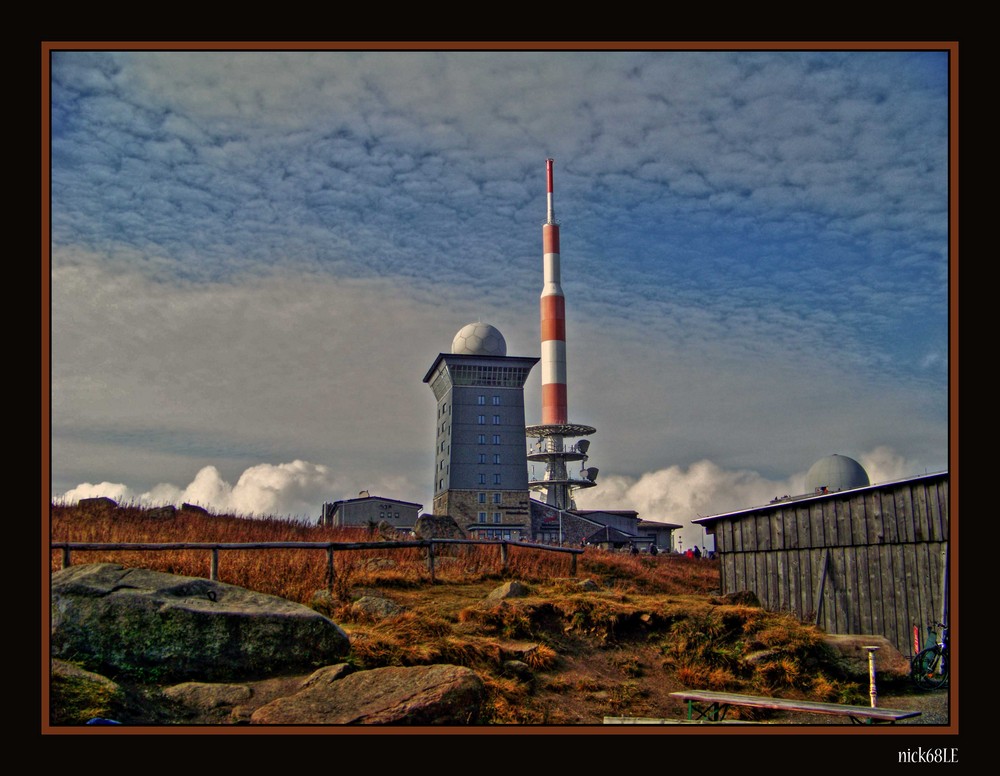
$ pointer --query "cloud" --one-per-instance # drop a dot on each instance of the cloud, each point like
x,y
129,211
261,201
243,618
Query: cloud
x,y
295,489
256,256
679,495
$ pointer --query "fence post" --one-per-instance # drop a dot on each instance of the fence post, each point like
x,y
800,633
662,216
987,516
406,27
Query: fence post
x,y
329,569
65,558
430,558
503,555
572,565
213,572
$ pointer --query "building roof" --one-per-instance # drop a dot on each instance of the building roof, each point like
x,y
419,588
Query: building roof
x,y
377,498
810,497
524,361
658,524
613,535
587,512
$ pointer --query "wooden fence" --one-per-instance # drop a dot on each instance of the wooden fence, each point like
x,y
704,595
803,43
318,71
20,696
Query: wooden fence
x,y
215,548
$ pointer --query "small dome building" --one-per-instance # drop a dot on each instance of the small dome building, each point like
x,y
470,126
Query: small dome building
x,y
836,472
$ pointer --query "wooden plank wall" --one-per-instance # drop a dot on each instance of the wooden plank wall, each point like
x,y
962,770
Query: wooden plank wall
x,y
878,555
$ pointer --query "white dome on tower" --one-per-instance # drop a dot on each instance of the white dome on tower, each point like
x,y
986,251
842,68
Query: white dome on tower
x,y
479,339
836,472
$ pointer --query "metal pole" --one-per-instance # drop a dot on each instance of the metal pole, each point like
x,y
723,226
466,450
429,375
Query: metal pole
x,y
213,572
65,558
871,675
503,555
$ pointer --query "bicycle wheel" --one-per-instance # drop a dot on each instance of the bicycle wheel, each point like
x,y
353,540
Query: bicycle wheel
x,y
927,669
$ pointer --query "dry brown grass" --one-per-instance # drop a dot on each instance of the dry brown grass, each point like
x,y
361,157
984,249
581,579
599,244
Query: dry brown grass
x,y
650,627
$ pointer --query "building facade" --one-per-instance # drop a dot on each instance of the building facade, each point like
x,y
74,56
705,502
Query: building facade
x,y
480,460
868,560
369,511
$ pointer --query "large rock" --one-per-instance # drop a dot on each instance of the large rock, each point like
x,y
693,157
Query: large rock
x,y
851,658
420,695
98,502
511,589
77,695
377,607
155,626
438,527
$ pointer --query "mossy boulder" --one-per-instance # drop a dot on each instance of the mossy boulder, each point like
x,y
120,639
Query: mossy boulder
x,y
148,625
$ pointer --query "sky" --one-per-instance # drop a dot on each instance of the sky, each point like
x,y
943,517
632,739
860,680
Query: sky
x,y
256,256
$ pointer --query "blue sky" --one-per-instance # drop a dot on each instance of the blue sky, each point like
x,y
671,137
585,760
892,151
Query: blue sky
x,y
257,255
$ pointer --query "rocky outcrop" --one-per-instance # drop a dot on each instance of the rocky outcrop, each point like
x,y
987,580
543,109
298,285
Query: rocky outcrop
x,y
150,625
205,696
849,656
420,695
376,607
168,512
438,527
98,502
84,694
511,589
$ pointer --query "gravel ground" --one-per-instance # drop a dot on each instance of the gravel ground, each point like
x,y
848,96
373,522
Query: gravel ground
x,y
934,707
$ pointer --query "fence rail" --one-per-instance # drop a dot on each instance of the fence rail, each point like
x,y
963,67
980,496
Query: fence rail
x,y
215,548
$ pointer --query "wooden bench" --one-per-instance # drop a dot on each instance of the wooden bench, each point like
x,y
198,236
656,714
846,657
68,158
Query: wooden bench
x,y
704,704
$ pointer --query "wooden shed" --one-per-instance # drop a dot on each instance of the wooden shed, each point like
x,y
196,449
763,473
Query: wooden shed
x,y
872,560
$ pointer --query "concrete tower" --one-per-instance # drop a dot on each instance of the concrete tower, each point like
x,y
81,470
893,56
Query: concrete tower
x,y
551,447
480,464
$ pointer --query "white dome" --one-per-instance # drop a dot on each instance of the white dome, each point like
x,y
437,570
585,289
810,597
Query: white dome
x,y
479,339
836,472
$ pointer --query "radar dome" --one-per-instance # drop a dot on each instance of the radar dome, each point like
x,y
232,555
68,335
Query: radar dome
x,y
479,339
836,472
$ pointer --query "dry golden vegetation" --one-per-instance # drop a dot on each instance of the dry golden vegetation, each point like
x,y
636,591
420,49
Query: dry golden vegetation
x,y
561,655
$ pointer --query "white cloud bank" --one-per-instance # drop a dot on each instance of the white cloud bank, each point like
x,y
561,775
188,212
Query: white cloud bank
x,y
295,489
679,495
672,495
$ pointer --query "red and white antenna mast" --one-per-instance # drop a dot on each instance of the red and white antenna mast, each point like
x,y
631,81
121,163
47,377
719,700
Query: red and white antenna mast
x,y
555,427
553,319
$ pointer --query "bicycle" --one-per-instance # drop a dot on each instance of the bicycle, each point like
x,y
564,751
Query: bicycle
x,y
929,667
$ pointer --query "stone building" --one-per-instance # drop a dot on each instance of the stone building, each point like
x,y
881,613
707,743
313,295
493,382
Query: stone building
x,y
480,462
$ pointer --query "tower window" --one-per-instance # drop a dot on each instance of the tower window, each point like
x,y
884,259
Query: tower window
x,y
482,479
496,457
482,439
481,419
496,498
496,420
482,498
496,439
496,401
482,458
482,517
496,478
481,400
496,517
